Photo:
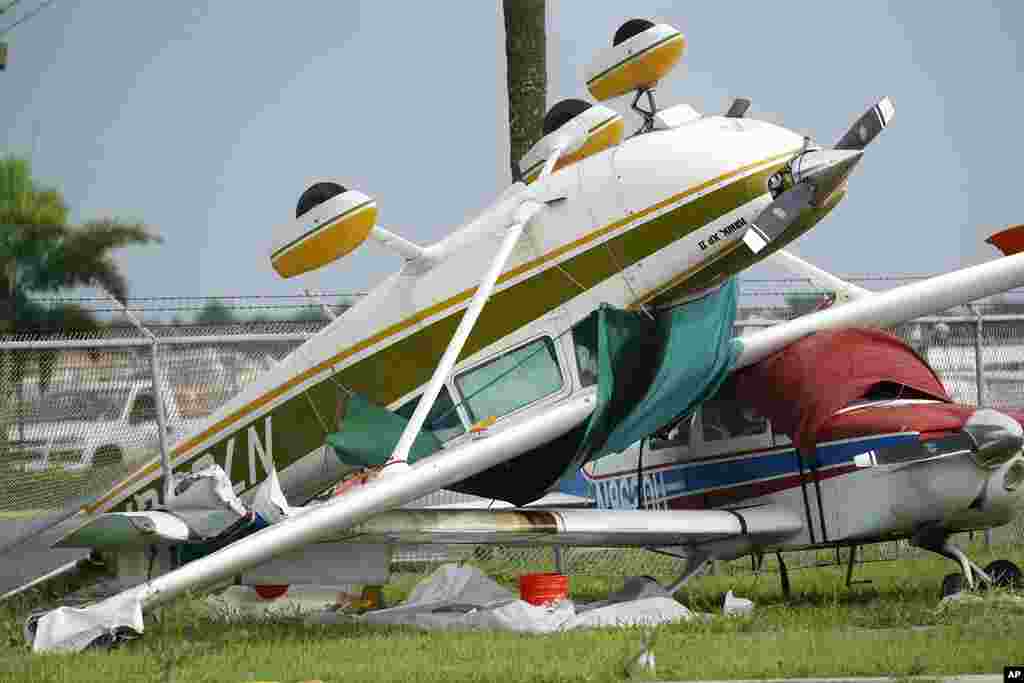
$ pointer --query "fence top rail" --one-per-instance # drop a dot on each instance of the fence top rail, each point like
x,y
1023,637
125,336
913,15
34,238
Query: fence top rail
x,y
930,319
13,344
10,345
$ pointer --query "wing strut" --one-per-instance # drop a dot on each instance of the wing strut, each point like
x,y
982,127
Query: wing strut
x,y
451,354
398,462
846,291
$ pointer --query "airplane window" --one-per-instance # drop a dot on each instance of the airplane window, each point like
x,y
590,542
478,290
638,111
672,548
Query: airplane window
x,y
725,419
584,337
442,419
511,381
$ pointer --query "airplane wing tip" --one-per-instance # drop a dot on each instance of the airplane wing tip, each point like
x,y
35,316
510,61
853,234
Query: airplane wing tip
x,y
1009,241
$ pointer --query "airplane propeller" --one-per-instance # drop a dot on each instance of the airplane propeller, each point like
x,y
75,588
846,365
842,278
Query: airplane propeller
x,y
868,126
806,182
813,175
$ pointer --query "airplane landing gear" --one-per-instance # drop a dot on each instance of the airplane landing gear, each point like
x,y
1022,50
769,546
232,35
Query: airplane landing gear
x,y
1005,574
696,561
937,540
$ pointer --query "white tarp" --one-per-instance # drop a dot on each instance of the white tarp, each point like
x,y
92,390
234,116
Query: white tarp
x,y
206,501
269,501
72,629
455,597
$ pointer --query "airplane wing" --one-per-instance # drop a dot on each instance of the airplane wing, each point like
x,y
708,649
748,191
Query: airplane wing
x,y
520,526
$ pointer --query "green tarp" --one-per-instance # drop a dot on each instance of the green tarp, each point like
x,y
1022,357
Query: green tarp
x,y
367,435
650,373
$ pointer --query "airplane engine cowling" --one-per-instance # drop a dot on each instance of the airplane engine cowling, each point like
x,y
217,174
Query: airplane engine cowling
x,y
330,221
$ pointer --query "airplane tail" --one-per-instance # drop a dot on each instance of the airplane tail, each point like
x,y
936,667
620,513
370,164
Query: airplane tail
x,y
1009,241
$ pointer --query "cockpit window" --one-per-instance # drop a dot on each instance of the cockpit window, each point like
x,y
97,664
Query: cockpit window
x,y
511,381
724,419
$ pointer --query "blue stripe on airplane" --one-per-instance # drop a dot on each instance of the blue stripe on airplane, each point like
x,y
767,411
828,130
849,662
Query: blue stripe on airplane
x,y
730,470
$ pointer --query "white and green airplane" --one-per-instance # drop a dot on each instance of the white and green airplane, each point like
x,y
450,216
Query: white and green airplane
x,y
469,368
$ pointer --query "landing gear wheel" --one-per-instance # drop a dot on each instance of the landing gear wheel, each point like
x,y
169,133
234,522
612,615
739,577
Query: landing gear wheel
x,y
953,584
1005,574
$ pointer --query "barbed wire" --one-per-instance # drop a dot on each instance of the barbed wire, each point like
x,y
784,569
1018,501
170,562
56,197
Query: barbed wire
x,y
339,300
247,307
64,299
357,294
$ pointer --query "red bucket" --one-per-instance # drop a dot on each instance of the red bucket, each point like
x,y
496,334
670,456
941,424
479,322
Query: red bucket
x,y
541,589
271,591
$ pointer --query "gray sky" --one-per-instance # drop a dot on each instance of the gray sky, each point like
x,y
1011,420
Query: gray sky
x,y
207,120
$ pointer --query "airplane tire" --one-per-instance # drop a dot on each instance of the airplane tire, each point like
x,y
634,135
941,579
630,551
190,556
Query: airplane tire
x,y
953,584
316,195
630,29
563,112
1005,574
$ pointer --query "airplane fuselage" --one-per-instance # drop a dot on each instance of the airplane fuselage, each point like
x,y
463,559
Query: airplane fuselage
x,y
639,224
840,501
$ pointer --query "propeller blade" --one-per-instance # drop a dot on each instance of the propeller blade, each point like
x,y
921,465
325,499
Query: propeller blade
x,y
868,126
778,216
738,108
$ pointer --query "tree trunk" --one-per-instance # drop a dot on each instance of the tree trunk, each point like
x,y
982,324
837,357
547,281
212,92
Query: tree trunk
x,y
525,52
7,299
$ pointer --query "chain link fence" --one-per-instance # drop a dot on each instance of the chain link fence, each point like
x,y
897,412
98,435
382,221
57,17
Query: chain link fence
x,y
79,412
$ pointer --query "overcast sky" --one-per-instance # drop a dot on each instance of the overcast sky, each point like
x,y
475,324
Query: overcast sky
x,y
206,120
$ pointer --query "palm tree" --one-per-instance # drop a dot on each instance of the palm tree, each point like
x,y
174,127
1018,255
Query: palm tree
x,y
41,253
525,54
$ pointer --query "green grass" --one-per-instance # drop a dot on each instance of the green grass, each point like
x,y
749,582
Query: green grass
x,y
825,629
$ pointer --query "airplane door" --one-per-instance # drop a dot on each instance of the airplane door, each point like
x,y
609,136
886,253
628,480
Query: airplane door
x,y
811,484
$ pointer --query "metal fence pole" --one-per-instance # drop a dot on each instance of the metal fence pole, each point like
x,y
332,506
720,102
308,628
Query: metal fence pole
x,y
161,420
158,398
979,377
979,372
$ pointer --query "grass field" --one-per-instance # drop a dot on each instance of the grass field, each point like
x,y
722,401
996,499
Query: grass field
x,y
892,626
